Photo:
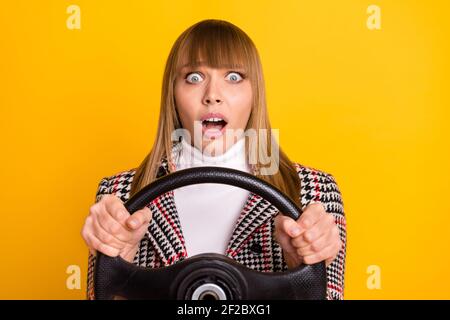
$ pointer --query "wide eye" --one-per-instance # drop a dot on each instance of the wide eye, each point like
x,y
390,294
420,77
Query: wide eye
x,y
235,76
194,77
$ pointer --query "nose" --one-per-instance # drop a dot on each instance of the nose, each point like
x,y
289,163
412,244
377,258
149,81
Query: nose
x,y
212,94
211,101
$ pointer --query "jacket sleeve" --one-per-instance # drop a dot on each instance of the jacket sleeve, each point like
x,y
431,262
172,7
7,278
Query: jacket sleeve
x,y
336,270
105,186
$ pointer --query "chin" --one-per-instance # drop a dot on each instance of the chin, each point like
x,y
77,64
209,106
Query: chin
x,y
214,147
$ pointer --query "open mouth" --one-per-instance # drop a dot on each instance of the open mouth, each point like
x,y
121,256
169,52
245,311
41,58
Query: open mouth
x,y
213,127
218,124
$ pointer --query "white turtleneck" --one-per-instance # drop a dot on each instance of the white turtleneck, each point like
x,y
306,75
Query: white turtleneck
x,y
208,212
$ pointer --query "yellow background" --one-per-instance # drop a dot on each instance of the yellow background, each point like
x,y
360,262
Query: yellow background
x,y
368,106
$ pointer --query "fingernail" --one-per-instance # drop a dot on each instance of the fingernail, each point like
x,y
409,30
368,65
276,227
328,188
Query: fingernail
x,y
133,223
295,231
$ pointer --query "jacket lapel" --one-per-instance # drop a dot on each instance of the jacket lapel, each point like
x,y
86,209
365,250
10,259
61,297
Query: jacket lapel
x,y
256,213
165,231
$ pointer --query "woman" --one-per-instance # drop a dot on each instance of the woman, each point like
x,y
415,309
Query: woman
x,y
213,85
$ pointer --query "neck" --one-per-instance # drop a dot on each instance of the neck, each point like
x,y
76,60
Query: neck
x,y
234,157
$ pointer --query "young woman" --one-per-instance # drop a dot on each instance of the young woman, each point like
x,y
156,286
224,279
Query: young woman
x,y
213,85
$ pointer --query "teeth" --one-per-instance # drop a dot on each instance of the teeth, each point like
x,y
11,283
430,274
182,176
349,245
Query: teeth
x,y
213,119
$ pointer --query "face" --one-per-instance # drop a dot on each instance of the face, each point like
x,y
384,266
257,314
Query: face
x,y
214,105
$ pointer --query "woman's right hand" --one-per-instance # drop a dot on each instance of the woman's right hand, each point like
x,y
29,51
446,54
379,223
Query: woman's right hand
x,y
111,229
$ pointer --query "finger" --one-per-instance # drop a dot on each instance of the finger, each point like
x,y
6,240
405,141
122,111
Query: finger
x,y
282,237
87,227
326,253
139,233
96,244
99,227
112,226
330,240
107,237
139,218
314,247
290,227
323,226
114,206
311,215
303,241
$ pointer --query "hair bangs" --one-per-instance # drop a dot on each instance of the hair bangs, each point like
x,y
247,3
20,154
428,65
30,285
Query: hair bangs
x,y
216,45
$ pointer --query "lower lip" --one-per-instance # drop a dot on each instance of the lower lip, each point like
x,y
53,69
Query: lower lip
x,y
213,133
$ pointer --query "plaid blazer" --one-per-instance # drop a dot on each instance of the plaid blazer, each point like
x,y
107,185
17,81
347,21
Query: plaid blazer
x,y
252,242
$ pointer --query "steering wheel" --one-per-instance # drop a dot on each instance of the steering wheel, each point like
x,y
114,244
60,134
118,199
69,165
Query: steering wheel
x,y
208,276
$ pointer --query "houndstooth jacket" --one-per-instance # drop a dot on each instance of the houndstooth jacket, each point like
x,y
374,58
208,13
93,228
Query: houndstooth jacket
x,y
252,242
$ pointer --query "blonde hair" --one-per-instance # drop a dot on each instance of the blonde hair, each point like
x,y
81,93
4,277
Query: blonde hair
x,y
220,45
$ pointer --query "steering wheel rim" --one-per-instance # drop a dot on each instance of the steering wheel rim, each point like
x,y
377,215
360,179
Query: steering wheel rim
x,y
115,276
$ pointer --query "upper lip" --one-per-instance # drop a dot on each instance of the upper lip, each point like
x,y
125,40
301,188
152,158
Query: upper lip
x,y
213,115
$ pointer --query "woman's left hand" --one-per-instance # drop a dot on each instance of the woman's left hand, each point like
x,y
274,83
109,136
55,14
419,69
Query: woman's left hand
x,y
313,238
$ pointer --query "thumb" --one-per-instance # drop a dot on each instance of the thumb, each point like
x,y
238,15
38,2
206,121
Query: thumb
x,y
282,235
291,227
139,218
